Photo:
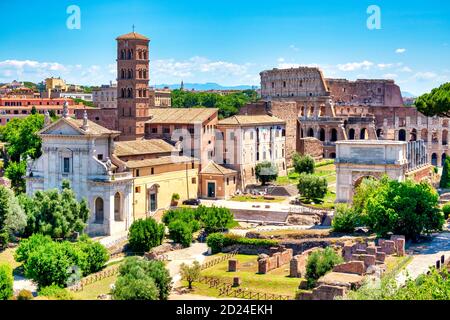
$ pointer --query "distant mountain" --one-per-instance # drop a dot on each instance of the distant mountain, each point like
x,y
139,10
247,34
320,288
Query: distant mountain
x,y
406,94
205,86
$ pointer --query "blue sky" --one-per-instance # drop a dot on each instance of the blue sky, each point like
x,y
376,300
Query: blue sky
x,y
229,41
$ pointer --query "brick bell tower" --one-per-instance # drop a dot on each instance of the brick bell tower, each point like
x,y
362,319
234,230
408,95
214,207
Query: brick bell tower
x,y
133,98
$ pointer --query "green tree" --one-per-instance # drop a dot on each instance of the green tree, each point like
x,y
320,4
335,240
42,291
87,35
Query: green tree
x,y
131,288
96,254
404,208
145,234
303,164
364,191
16,171
180,232
437,102
12,217
6,282
134,266
312,187
33,110
266,172
215,219
446,210
319,263
190,273
445,178
21,136
57,214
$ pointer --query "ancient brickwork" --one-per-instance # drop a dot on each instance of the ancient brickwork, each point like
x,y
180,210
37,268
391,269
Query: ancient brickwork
x,y
312,147
276,259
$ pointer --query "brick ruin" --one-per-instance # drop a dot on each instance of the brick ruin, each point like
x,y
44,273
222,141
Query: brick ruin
x,y
279,256
360,259
338,109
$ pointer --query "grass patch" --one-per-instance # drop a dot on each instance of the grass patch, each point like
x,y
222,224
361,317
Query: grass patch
x,y
250,198
276,281
7,257
396,264
326,203
92,291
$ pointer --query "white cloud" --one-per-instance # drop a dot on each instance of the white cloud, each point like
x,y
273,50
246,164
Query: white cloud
x,y
405,69
383,66
424,76
353,66
293,47
390,76
400,50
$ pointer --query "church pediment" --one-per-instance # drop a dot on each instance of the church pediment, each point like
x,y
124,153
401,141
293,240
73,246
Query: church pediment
x,y
63,128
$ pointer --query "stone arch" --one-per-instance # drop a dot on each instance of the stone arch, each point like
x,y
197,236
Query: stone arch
x,y
363,134
310,132
322,134
434,159
334,135
118,207
379,133
99,210
332,155
357,181
402,135
444,137
351,134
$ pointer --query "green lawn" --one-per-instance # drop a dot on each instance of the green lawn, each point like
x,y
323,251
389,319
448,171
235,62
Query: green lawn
x,y
92,291
249,198
325,203
328,172
276,281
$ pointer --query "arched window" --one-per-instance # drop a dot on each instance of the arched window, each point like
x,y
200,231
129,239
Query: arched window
x,y
351,134
310,132
362,134
99,213
152,200
118,214
333,155
424,135
322,134
413,135
334,135
434,159
444,137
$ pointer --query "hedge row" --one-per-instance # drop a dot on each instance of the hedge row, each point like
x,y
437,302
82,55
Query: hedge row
x,y
218,241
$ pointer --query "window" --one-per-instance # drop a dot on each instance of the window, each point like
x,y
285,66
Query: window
x,y
100,157
154,130
166,130
284,84
152,171
66,165
137,190
194,180
138,173
228,181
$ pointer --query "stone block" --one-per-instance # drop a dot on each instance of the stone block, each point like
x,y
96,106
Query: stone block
x,y
233,265
356,267
263,266
303,285
372,250
347,252
361,251
327,292
400,247
388,247
236,282
381,256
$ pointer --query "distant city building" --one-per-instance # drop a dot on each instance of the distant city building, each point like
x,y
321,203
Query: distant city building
x,y
76,95
56,84
162,97
105,96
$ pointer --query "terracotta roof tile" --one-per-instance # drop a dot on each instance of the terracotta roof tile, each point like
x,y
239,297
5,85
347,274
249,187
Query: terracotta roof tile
x,y
132,36
137,147
214,168
159,161
251,120
181,115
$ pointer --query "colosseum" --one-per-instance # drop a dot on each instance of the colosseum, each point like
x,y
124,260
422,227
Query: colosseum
x,y
338,109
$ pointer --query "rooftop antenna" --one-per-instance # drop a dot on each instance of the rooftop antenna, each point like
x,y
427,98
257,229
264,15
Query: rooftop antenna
x,y
133,28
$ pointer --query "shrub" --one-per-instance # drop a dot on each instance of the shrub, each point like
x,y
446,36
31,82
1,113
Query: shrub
x,y
180,232
446,210
145,234
218,241
188,215
319,263
345,219
312,187
12,217
303,164
190,273
96,254
266,172
55,292
175,197
136,267
142,280
6,282
25,295
445,178
363,192
216,219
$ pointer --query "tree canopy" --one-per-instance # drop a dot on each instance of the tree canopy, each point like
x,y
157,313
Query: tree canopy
x,y
12,217
435,103
266,172
228,105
